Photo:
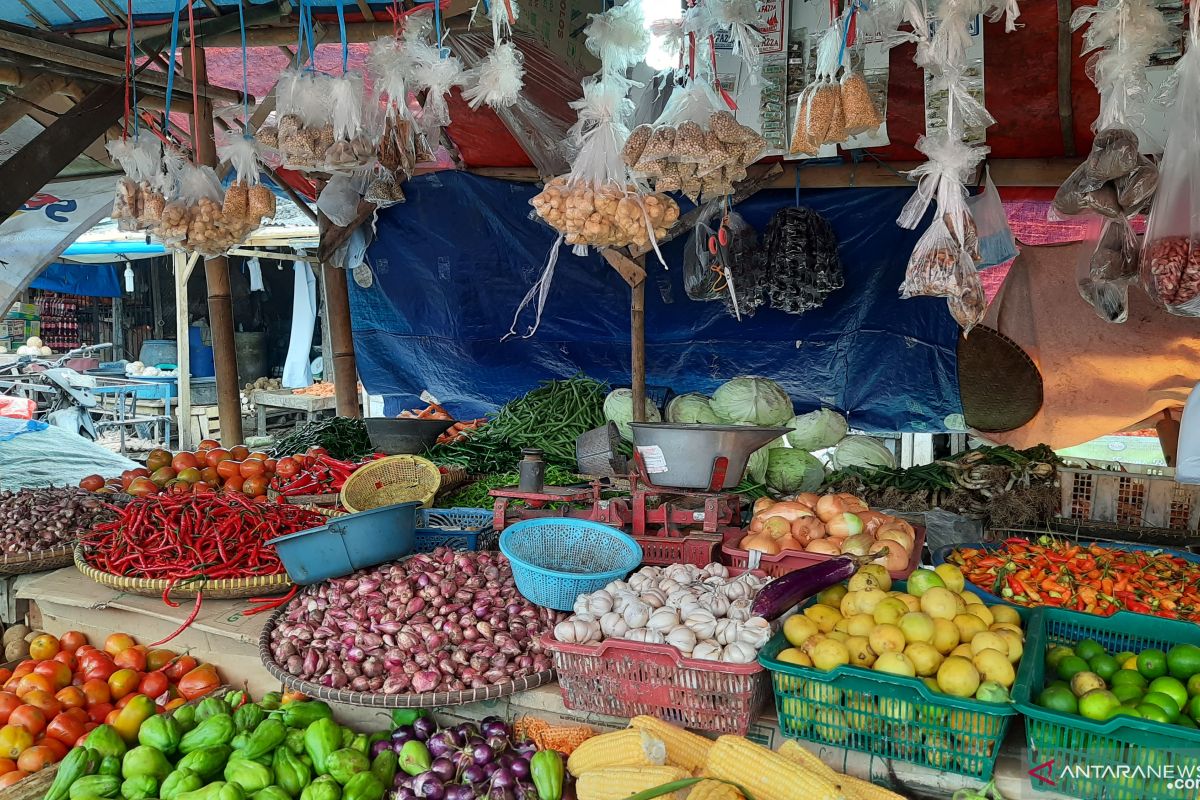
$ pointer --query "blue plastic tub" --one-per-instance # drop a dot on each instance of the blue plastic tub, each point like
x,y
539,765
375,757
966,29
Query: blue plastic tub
x,y
554,560
348,543
456,528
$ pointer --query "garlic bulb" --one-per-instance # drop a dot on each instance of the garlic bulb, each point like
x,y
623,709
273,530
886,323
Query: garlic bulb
x,y
680,573
702,622
690,606
755,632
663,619
738,653
655,598
638,582
707,650
621,601
616,587
577,631
613,625
669,587
600,603
636,634
739,610
715,570
581,604
636,614
682,638
726,632
737,589
677,597
715,603
652,573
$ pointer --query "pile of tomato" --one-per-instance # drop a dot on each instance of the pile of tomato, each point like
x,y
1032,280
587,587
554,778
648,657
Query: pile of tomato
x,y
67,687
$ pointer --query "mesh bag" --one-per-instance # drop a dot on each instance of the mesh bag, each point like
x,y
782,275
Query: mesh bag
x,y
802,266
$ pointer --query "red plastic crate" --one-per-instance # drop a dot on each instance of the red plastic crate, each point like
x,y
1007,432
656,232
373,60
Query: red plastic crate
x,y
790,561
622,678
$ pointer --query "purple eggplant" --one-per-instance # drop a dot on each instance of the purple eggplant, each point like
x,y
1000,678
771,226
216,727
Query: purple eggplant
x,y
465,730
474,774
424,727
380,746
498,793
440,744
493,726
526,748
498,743
443,768
483,753
781,594
504,778
428,786
459,792
520,768
405,794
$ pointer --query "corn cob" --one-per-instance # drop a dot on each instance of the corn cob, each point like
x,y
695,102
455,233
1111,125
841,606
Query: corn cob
x,y
628,748
617,783
766,774
714,790
858,789
795,753
684,748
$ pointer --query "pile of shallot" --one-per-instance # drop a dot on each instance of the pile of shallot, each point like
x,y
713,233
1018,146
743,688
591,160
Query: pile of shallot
x,y
441,621
702,612
34,520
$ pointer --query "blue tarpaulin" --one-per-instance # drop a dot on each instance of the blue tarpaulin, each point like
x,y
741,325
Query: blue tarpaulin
x,y
452,264
89,280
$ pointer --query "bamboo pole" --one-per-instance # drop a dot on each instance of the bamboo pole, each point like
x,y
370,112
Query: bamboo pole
x,y
637,346
345,369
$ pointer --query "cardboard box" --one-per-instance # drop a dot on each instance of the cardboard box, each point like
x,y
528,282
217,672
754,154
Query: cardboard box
x,y
25,310
20,329
559,24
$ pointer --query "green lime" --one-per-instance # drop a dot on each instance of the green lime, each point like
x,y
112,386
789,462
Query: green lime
x,y
1193,708
1163,701
1171,687
1123,656
1098,704
1185,721
1193,684
1153,713
1070,665
1056,654
1152,663
1128,677
1058,698
1127,692
1127,710
1057,682
1104,665
1183,661
1088,649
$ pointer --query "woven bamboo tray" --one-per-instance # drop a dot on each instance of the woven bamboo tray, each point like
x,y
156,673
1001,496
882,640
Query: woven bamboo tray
x,y
225,589
41,561
374,700
305,499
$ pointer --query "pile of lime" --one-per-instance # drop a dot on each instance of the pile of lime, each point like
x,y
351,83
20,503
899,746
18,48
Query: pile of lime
x,y
1153,685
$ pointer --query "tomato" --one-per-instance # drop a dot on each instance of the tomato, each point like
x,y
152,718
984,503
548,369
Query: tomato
x,y
101,670
157,459
32,682
9,778
252,468
45,702
240,452
199,682
65,729
123,682
99,712
63,657
179,667
127,699
71,697
128,475
92,483
255,487
24,668
202,486
116,642
8,703
131,658
58,673
14,739
184,460
77,714
189,475
210,444
142,487
287,467
43,647
174,704
112,716
270,464
229,468
233,484
5,674
60,748
36,758
31,718
154,684
313,452
7,765
96,691
157,659
216,456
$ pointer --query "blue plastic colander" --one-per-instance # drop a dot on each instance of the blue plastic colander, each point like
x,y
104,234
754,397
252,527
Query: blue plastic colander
x,y
555,560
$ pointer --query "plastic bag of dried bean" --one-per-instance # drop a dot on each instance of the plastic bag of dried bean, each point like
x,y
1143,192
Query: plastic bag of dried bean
x,y
1170,269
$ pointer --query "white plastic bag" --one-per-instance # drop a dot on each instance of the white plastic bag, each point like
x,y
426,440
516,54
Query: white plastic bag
x,y
245,197
1108,267
137,203
618,37
498,79
996,243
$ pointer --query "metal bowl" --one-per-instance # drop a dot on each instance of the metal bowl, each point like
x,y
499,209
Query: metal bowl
x,y
396,437
682,456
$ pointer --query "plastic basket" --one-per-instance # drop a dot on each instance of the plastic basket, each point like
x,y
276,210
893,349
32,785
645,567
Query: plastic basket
x,y
622,678
457,528
348,542
783,563
391,480
1082,750
554,560
1129,498
889,716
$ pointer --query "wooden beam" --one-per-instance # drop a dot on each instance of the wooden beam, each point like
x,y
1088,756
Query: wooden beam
x,y
29,169
365,7
637,350
20,102
335,236
1066,112
626,267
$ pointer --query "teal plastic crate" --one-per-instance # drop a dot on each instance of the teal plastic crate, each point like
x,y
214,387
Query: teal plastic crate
x,y
1124,758
889,716
456,528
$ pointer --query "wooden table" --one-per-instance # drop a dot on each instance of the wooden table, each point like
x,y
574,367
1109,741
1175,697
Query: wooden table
x,y
311,406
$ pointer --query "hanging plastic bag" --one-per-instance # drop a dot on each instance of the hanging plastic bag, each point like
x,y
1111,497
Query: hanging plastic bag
x,y
618,37
208,231
304,107
140,159
498,79
819,115
801,258
1108,267
721,240
996,244
246,197
941,267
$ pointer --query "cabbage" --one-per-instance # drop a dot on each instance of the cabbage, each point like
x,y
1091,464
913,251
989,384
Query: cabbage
x,y
691,409
749,400
756,465
618,408
790,470
817,430
862,451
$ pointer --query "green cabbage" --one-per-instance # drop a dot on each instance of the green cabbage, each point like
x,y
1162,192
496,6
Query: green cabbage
x,y
618,408
790,470
817,430
756,465
749,400
862,451
691,409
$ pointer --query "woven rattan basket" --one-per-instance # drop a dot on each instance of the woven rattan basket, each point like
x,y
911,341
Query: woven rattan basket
x,y
41,561
225,589
376,700
395,479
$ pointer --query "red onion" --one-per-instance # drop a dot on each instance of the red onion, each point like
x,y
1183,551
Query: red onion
x,y
425,681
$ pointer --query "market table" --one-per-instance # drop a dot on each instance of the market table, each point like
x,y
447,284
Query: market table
x,y
311,406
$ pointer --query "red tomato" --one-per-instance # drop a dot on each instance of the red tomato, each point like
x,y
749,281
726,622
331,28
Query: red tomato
x,y
157,659
33,682
99,712
229,469
233,484
7,765
271,465
64,657
31,718
184,461
313,452
71,697
131,658
101,670
58,673
60,748
9,702
210,475
199,682
287,467
123,682
256,486
65,729
239,452
252,468
92,483
154,684
9,778
210,444
45,702
96,691
179,667
216,456
142,487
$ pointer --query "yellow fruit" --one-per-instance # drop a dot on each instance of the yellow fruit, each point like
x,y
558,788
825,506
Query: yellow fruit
x,y
970,598
1130,663
969,626
861,654
981,611
832,596
811,642
791,655
931,683
939,747
945,636
872,576
994,665
842,625
951,576
890,611
963,650
911,602
925,658
1006,614
838,636
1016,648
863,602
895,663
917,627
861,714
897,710
860,625
822,693
824,616
958,676
1007,626
830,725
887,638
797,628
830,654
987,640
941,603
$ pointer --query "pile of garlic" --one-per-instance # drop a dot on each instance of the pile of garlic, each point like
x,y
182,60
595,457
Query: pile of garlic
x,y
702,612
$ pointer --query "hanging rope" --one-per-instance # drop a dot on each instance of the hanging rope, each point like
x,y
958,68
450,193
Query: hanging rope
x,y
171,66
195,84
245,77
341,15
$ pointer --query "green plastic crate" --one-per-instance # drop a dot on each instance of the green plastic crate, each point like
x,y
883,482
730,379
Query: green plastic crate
x,y
890,716
1089,756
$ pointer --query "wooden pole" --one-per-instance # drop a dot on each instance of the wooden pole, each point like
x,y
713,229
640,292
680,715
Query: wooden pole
x,y
183,262
216,272
345,370
637,341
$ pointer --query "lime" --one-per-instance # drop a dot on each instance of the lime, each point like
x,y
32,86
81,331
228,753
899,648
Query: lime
x,y
1183,661
1127,710
1129,662
1127,692
1193,708
1153,713
1088,649
1163,701
1098,704
1104,665
1056,654
1057,682
1185,721
1193,684
1123,656
1058,698
1070,665
1172,688
1152,663
1128,677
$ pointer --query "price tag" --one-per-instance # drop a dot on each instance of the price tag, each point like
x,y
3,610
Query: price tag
x,y
652,457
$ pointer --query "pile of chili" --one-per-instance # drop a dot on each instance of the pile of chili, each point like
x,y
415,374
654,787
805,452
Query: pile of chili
x,y
1093,578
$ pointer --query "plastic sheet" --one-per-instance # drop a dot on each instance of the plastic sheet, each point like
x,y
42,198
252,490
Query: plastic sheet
x,y
44,455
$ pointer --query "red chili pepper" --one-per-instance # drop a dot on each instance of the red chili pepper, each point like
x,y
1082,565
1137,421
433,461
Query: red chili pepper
x,y
190,619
